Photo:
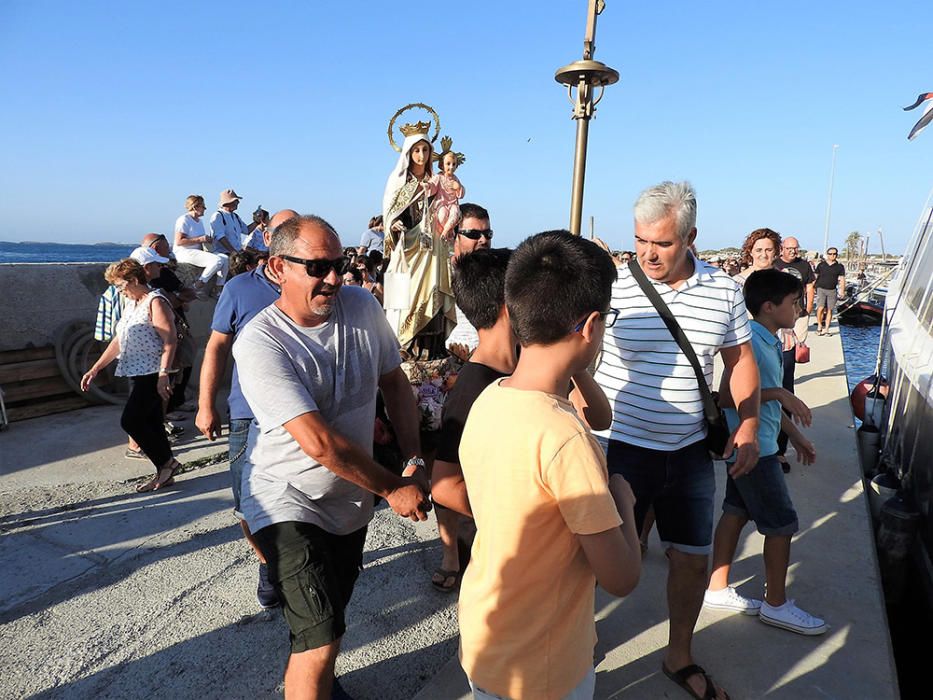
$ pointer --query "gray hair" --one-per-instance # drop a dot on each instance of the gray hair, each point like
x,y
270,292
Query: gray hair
x,y
286,233
669,198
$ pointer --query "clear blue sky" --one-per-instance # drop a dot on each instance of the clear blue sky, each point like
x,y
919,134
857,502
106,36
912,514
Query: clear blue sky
x,y
114,112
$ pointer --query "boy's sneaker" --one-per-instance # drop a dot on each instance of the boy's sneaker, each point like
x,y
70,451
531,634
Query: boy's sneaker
x,y
266,594
790,617
729,599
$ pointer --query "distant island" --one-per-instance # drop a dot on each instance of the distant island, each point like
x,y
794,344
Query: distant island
x,y
103,245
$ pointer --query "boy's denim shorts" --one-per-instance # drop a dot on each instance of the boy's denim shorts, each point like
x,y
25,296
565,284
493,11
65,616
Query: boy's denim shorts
x,y
680,484
762,496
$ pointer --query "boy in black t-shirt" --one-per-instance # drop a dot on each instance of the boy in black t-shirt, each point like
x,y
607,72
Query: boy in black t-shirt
x,y
479,290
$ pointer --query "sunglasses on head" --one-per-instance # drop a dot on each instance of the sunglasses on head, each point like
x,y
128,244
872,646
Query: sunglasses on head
x,y
474,233
321,268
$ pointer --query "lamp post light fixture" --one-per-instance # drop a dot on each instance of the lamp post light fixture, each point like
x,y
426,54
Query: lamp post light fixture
x,y
585,75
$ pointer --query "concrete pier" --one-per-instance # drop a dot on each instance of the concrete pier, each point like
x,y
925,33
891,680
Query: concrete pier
x,y
107,593
833,574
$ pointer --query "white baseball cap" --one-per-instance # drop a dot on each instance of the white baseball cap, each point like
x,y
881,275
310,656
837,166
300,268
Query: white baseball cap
x,y
145,255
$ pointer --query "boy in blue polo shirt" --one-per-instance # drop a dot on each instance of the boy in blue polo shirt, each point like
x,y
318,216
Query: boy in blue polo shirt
x,y
761,495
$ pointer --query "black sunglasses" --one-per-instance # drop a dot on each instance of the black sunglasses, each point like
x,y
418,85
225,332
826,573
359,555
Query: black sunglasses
x,y
321,268
474,233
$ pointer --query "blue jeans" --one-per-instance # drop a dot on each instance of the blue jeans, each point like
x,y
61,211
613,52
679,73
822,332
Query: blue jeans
x,y
236,446
762,496
679,484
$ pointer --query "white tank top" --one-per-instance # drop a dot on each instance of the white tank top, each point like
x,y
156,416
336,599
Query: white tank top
x,y
140,343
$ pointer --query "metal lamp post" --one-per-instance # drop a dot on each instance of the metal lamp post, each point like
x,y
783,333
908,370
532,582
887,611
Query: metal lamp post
x,y
585,75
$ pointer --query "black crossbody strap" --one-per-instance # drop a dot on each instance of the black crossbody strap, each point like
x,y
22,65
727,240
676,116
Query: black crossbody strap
x,y
709,407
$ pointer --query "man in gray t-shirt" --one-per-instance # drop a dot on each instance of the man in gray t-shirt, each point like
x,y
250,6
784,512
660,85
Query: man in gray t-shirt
x,y
309,366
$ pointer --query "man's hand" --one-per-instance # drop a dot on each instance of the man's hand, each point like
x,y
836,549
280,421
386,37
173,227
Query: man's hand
x,y
418,475
745,442
806,452
409,500
207,422
798,410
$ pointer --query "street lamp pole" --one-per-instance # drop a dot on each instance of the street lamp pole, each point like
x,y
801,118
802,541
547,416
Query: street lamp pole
x,y
829,200
585,75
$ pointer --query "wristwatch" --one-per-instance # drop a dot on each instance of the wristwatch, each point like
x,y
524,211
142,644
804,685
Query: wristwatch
x,y
417,461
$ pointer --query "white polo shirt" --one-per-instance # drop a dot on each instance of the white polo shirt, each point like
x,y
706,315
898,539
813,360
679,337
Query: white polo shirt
x,y
650,384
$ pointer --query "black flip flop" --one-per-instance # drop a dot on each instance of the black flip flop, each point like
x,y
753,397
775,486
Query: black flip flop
x,y
447,574
680,678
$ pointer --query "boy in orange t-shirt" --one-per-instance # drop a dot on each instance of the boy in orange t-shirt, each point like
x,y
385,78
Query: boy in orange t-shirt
x,y
550,524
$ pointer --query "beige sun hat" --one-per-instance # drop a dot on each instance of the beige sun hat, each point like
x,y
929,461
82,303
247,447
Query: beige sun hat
x,y
229,197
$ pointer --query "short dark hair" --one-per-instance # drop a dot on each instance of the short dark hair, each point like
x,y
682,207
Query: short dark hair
x,y
479,285
769,285
375,221
375,256
555,279
475,211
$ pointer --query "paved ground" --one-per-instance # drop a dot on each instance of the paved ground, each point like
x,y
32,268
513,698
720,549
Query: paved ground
x,y
110,594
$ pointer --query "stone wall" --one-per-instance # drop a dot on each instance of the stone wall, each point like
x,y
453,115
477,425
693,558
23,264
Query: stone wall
x,y
36,299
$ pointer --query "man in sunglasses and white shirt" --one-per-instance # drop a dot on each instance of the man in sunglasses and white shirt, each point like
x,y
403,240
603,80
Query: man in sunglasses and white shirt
x,y
309,366
473,233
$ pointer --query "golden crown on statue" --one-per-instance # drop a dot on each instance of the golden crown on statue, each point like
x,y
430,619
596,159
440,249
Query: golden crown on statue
x,y
419,129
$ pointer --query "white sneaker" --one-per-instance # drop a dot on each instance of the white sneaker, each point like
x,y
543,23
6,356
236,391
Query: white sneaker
x,y
729,599
790,617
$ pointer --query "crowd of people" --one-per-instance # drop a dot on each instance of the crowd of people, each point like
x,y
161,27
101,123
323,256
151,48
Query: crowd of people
x,y
544,474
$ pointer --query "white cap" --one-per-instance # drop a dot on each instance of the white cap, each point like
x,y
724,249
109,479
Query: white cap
x,y
144,255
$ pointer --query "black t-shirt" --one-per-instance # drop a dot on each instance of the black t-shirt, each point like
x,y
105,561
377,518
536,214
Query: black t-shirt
x,y
827,276
167,280
798,268
473,378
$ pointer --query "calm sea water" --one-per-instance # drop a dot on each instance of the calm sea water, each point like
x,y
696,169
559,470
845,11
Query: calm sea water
x,y
860,345
61,252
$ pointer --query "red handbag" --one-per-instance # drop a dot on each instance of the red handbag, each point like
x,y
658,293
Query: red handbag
x,y
802,353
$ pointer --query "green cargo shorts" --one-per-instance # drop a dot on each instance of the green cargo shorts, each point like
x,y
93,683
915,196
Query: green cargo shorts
x,y
314,572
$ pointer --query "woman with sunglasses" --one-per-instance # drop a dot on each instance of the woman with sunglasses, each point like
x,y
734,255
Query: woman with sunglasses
x,y
189,241
422,303
145,344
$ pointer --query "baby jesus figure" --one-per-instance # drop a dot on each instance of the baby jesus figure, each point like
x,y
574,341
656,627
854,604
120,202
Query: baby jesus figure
x,y
447,192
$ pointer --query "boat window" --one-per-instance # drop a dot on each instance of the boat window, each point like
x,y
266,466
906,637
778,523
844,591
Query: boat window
x,y
918,286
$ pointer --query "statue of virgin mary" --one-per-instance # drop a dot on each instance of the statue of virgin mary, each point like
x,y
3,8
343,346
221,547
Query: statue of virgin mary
x,y
418,298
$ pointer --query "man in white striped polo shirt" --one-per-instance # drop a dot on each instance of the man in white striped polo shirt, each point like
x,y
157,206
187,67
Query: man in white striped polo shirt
x,y
657,438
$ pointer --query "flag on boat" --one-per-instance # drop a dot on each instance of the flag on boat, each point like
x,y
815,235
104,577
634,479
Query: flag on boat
x,y
927,114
